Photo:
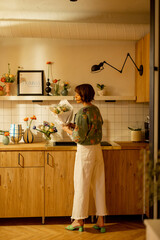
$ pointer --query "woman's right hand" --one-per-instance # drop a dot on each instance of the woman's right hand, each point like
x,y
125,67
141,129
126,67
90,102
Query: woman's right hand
x,y
71,125
67,129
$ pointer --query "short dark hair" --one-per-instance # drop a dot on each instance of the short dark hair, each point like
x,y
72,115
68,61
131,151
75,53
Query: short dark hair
x,y
86,92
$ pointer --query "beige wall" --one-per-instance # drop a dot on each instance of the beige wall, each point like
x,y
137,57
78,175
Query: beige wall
x,y
73,60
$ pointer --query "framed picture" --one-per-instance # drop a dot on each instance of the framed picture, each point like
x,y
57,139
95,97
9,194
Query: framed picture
x,y
30,83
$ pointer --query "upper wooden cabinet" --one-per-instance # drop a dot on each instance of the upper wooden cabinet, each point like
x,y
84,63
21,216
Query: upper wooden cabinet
x,y
142,58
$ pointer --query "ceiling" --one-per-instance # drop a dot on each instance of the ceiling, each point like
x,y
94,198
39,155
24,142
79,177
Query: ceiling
x,y
120,11
84,19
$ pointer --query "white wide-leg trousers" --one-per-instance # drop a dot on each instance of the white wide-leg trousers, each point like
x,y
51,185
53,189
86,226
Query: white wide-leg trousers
x,y
88,172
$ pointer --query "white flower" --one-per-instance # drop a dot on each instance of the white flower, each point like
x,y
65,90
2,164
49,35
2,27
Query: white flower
x,y
46,128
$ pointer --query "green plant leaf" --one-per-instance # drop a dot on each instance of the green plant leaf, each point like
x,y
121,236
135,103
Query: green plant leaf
x,y
134,129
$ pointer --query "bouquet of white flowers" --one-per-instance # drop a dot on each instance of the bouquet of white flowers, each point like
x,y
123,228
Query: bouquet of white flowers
x,y
62,112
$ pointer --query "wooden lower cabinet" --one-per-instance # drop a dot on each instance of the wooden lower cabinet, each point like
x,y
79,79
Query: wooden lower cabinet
x,y
59,190
124,182
22,186
40,183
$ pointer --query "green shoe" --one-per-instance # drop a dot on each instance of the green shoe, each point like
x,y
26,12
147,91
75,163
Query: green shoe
x,y
102,229
71,228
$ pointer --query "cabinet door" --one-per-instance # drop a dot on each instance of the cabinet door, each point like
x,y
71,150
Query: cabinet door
x,y
22,159
142,58
21,192
124,182
59,190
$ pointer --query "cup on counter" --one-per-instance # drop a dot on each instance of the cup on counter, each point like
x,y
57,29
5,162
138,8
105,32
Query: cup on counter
x,y
15,132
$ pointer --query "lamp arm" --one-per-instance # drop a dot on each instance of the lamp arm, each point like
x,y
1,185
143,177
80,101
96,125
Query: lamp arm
x,y
112,66
128,55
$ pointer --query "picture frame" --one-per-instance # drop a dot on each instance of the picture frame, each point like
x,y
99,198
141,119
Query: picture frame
x,y
30,82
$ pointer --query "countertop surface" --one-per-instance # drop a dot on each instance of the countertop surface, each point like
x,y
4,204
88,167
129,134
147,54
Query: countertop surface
x,y
132,145
41,146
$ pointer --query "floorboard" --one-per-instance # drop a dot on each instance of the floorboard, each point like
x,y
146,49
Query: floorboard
x,y
54,228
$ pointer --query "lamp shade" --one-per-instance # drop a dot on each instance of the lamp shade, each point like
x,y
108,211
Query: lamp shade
x,y
96,68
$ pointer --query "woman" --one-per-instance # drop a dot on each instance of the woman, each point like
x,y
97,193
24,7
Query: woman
x,y
89,165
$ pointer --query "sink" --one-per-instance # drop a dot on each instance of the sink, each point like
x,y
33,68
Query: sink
x,y
74,144
65,144
105,144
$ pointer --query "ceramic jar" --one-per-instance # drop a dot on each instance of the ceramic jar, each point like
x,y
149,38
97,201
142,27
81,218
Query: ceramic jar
x,y
7,85
136,136
5,140
101,92
28,136
64,92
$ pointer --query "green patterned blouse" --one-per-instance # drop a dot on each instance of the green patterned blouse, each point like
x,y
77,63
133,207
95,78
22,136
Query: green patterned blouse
x,y
88,126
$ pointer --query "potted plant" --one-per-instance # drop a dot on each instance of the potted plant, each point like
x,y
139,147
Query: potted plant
x,y
8,79
136,134
46,129
101,87
5,139
28,135
65,87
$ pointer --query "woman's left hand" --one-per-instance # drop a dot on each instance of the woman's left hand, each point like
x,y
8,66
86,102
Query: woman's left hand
x,y
65,128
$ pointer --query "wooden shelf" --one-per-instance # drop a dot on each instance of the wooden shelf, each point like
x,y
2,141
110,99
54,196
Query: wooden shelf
x,y
54,98
35,98
116,98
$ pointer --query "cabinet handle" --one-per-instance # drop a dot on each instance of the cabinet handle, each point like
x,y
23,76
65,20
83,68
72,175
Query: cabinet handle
x,y
0,180
48,158
19,160
51,165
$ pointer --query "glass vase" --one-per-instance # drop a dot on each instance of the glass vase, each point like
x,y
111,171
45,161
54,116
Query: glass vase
x,y
56,89
47,139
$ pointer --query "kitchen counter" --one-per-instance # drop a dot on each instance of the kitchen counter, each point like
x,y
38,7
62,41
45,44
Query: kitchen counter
x,y
118,145
41,146
132,145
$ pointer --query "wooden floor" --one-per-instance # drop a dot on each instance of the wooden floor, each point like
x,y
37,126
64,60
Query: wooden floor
x,y
54,229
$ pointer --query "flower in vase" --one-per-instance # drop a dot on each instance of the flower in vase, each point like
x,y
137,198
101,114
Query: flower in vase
x,y
1,90
49,66
8,77
47,129
29,122
65,85
5,133
56,81
56,87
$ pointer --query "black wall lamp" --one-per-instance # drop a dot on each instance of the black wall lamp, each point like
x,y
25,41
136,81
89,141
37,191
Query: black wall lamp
x,y
99,67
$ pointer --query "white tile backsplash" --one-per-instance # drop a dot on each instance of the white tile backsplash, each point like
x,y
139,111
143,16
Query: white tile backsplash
x,y
117,116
